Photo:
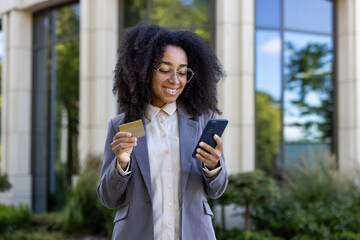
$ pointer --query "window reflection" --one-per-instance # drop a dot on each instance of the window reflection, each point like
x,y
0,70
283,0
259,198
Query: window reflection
x,y
268,100
134,12
41,28
180,13
67,22
193,15
268,132
308,95
294,80
1,59
56,96
67,99
268,63
308,15
268,13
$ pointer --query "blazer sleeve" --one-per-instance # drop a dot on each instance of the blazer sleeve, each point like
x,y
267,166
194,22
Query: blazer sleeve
x,y
216,186
112,185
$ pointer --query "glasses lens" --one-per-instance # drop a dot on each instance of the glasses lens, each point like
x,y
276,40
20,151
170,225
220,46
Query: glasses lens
x,y
189,75
184,74
165,73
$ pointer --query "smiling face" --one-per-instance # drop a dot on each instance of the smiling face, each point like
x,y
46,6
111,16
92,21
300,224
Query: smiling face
x,y
168,91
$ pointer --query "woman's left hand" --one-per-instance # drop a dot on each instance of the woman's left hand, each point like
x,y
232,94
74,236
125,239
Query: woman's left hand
x,y
211,158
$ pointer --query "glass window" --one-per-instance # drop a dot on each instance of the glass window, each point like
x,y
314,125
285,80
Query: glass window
x,y
134,12
193,15
268,63
1,60
268,99
309,15
183,13
268,13
308,93
56,98
294,81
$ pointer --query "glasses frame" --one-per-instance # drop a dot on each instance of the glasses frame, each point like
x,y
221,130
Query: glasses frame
x,y
176,72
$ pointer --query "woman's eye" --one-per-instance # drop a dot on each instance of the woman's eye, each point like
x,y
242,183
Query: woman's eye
x,y
164,70
182,73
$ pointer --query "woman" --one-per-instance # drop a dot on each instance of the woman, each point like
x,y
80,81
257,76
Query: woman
x,y
168,80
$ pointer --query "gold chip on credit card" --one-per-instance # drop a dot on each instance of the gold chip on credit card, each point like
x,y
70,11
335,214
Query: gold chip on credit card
x,y
136,128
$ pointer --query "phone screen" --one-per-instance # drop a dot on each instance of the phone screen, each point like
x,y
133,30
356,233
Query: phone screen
x,y
213,126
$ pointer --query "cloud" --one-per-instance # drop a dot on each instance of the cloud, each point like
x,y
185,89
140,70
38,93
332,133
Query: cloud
x,y
272,46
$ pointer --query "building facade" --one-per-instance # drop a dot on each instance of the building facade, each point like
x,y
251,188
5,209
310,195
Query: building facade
x,y
292,86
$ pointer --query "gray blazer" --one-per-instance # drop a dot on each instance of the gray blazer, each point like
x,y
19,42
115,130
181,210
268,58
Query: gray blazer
x,y
132,194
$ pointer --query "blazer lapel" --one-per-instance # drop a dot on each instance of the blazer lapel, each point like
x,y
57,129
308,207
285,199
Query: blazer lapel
x,y
188,129
187,136
142,158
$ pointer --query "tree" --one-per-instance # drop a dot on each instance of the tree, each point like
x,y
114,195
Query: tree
x,y
309,73
67,80
268,133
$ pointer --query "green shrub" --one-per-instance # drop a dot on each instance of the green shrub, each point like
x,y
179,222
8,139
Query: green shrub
x,y
47,222
316,203
249,189
83,212
13,218
17,223
237,234
4,183
346,236
32,235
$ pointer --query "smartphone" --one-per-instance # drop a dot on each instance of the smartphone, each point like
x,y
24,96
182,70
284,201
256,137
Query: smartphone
x,y
213,126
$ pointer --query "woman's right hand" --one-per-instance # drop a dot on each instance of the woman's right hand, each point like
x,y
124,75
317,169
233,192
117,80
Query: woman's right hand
x,y
122,146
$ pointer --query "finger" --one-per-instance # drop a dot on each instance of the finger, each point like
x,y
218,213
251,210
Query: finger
x,y
213,153
121,148
122,135
203,153
131,141
210,163
219,144
212,156
202,158
207,147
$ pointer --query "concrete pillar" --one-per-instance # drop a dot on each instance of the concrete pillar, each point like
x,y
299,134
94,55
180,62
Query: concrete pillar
x,y
98,55
348,83
235,48
16,106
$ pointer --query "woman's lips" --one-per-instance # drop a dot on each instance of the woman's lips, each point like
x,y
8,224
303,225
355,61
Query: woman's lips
x,y
171,91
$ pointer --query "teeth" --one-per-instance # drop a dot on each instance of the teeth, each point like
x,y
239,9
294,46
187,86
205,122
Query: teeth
x,y
171,90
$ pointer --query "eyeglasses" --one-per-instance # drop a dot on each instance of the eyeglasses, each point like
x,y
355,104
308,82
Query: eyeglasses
x,y
166,72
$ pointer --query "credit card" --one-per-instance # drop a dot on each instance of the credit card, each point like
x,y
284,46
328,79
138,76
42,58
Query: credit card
x,y
136,128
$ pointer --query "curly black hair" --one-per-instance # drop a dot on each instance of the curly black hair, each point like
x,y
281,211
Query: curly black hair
x,y
142,48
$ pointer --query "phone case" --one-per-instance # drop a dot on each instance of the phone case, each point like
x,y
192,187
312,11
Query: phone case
x,y
213,126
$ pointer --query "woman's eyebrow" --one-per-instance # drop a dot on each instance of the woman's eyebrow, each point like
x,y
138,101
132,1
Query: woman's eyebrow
x,y
170,64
